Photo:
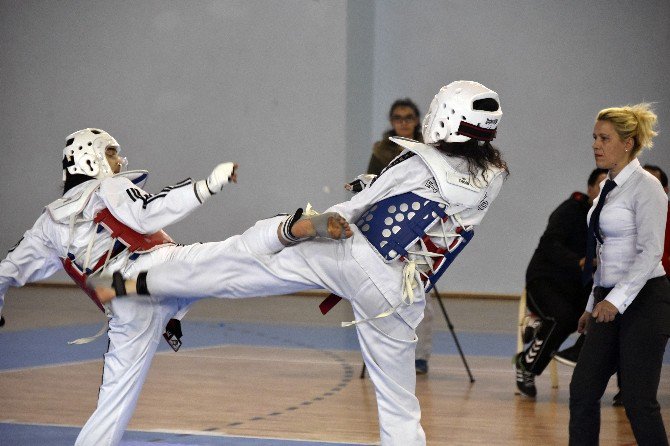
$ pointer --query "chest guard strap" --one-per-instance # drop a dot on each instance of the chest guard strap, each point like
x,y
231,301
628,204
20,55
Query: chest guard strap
x,y
439,259
123,238
413,229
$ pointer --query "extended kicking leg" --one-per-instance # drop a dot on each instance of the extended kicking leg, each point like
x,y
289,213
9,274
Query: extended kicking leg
x,y
289,231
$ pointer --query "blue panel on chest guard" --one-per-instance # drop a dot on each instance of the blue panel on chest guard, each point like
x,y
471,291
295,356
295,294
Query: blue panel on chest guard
x,y
396,223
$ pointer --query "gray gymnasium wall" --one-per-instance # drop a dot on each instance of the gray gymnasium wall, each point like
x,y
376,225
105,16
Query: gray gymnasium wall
x,y
297,91
182,86
555,64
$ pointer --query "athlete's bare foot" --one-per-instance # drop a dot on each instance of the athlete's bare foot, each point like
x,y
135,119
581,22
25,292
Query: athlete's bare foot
x,y
338,227
329,225
299,227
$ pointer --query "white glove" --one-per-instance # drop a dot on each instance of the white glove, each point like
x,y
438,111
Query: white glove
x,y
222,174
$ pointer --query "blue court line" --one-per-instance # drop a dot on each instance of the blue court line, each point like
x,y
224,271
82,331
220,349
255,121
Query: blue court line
x,y
48,346
31,435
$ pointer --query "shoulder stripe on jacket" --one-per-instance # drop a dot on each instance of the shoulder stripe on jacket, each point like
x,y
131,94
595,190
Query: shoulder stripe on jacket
x,y
135,194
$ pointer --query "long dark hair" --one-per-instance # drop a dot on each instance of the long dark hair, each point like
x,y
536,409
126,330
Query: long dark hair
x,y
72,180
481,155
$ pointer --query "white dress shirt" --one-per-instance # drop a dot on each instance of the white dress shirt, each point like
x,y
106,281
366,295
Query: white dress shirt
x,y
632,225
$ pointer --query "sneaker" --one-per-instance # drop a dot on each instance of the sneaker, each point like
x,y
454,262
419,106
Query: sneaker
x,y
421,366
568,356
525,381
616,401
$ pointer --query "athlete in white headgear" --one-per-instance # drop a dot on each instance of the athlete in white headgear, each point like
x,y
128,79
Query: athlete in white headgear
x,y
462,111
411,222
105,222
89,152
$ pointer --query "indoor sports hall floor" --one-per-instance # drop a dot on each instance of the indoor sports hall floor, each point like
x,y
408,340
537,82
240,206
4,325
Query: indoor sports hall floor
x,y
273,372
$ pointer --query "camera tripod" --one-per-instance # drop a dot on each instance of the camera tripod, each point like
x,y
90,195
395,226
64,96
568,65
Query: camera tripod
x,y
453,334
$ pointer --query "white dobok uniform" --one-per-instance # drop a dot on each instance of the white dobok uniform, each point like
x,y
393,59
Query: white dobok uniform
x,y
66,230
355,270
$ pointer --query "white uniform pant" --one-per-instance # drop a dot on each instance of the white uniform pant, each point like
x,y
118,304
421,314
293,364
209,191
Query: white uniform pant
x,y
246,266
136,326
424,331
135,330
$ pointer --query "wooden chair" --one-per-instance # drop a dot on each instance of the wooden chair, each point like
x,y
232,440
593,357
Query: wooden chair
x,y
523,320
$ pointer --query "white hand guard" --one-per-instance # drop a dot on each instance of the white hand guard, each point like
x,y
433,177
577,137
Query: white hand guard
x,y
219,177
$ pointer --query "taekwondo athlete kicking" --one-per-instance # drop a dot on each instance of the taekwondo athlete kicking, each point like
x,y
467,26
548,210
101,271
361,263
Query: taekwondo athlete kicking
x,y
105,221
411,222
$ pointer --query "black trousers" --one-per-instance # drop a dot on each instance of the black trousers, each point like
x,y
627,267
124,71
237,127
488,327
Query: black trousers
x,y
559,304
634,343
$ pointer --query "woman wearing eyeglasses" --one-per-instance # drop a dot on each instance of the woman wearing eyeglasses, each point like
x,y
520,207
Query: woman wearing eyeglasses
x,y
404,119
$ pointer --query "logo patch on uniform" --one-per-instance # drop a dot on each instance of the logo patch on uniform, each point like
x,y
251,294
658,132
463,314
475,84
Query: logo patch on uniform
x,y
463,181
484,203
431,184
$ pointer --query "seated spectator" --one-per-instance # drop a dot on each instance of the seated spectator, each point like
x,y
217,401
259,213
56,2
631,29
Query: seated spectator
x,y
554,288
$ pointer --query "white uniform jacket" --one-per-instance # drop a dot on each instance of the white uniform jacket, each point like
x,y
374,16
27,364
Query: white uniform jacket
x,y
425,171
38,254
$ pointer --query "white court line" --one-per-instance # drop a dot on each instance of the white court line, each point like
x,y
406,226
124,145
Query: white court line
x,y
181,353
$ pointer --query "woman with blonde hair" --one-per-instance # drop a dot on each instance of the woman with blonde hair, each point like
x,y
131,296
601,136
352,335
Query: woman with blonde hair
x,y
628,313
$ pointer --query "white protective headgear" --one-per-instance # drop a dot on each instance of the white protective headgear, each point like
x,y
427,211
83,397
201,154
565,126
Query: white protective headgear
x,y
461,111
84,153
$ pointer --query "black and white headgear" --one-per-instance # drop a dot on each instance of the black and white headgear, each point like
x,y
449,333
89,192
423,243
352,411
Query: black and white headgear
x,y
461,111
84,153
